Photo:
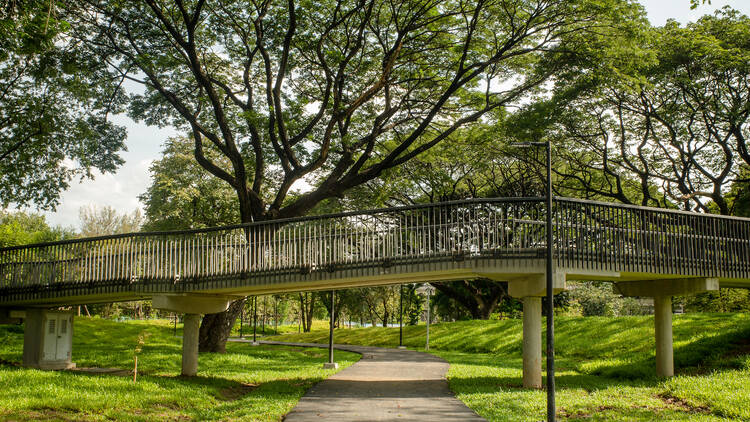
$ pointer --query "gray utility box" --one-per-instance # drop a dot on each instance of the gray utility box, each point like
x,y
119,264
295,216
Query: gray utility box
x,y
48,339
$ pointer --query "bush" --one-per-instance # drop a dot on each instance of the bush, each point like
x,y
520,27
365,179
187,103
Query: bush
x,y
597,299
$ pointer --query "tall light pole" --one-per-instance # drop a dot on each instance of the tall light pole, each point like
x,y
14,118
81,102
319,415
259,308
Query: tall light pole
x,y
401,316
551,410
331,364
255,320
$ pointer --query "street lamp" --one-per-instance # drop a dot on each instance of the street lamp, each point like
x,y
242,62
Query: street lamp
x,y
550,296
426,289
401,317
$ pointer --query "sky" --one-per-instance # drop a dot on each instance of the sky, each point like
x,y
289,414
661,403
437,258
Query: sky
x,y
121,189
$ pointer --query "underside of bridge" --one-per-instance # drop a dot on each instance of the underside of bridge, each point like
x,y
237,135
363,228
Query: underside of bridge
x,y
645,252
526,281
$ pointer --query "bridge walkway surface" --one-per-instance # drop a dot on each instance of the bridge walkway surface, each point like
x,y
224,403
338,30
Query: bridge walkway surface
x,y
384,385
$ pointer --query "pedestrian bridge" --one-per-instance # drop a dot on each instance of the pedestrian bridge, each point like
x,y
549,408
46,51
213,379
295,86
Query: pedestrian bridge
x,y
502,239
644,251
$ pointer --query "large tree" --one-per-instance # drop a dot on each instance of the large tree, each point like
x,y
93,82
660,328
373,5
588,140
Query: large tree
x,y
674,131
54,106
330,92
183,195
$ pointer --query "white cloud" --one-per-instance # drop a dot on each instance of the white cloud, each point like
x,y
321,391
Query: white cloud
x,y
121,189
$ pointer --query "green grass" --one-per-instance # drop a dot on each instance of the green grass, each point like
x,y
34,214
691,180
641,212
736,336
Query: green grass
x,y
605,367
246,383
247,328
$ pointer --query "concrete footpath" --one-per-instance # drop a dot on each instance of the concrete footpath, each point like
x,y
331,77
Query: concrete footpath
x,y
385,385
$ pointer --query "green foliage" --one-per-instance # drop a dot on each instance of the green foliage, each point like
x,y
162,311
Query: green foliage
x,y
334,93
598,299
21,228
247,383
104,221
725,300
54,103
669,131
183,195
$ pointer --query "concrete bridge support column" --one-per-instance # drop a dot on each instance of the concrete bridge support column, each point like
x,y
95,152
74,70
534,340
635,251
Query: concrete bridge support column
x,y
663,332
193,306
532,342
190,330
530,289
662,292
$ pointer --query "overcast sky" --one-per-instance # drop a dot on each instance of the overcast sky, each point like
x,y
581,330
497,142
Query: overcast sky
x,y
121,190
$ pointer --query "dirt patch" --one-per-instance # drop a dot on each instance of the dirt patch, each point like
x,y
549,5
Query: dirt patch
x,y
580,414
47,414
236,392
10,363
105,371
678,403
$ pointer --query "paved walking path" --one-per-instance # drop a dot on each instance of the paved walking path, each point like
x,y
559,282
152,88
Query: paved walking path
x,y
385,385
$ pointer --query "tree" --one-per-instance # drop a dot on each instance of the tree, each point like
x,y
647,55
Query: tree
x,y
20,228
183,195
54,105
330,92
104,221
472,163
674,131
307,302
479,297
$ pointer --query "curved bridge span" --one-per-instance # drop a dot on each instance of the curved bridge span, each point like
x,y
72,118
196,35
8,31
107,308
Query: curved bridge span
x,y
645,251
500,239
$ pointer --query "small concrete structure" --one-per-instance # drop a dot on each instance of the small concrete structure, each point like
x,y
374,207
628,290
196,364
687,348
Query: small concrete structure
x,y
662,292
48,339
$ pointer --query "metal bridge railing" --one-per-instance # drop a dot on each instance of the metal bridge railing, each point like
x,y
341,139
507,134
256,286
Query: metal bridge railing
x,y
587,234
625,238
386,236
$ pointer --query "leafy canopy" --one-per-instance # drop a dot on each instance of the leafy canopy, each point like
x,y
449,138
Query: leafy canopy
x,y
54,104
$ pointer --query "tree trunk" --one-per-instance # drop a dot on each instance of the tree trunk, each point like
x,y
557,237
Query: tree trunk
x,y
215,328
307,308
479,297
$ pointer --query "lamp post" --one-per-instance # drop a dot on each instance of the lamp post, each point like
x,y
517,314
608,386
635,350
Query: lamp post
x,y
427,290
401,316
255,320
331,364
551,410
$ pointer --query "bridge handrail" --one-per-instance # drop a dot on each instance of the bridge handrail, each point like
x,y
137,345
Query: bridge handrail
x,y
279,221
587,234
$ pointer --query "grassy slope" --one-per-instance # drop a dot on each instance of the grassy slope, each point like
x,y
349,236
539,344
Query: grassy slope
x,y
605,367
246,383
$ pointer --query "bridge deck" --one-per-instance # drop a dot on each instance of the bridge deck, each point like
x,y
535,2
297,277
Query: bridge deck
x,y
501,239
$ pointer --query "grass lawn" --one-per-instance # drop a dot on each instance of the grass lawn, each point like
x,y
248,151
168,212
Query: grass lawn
x,y
246,383
605,367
